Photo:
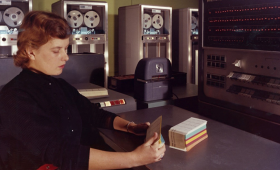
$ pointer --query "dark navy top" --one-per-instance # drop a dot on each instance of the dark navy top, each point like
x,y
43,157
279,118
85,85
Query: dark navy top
x,y
44,120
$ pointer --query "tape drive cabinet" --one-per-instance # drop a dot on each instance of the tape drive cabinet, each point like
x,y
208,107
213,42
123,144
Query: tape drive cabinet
x,y
11,16
88,20
89,24
144,32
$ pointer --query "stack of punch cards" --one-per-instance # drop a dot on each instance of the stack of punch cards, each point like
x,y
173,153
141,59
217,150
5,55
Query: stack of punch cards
x,y
187,134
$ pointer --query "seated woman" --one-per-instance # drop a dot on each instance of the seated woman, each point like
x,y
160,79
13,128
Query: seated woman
x,y
44,120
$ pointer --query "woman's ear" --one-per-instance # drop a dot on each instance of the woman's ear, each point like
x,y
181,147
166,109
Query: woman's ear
x,y
30,52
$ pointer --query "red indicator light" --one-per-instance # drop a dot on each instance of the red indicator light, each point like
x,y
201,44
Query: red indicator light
x,y
117,102
112,103
122,101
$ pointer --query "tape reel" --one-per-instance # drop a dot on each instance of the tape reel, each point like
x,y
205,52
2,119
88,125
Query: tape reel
x,y
13,16
147,21
74,19
0,17
194,22
91,19
157,21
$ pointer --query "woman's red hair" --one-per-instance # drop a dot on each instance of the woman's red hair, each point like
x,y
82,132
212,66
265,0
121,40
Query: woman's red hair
x,y
37,28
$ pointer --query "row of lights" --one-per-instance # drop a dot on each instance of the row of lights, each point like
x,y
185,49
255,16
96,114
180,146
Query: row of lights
x,y
259,40
245,9
230,29
243,19
226,39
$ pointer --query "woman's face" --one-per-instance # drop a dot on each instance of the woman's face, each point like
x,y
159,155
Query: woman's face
x,y
51,57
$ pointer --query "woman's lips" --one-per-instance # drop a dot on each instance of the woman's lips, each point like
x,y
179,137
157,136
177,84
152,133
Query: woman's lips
x,y
62,66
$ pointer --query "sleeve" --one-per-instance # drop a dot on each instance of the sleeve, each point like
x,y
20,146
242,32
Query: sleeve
x,y
34,135
92,114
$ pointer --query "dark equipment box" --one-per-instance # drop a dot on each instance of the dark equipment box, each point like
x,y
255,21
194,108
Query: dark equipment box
x,y
152,79
123,84
179,78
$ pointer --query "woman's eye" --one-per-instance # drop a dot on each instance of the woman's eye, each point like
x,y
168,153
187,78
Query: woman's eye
x,y
55,51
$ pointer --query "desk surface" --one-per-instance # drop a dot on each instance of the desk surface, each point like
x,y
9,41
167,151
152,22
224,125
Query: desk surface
x,y
225,148
129,105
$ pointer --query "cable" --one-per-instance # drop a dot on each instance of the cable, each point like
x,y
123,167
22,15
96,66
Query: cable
x,y
175,95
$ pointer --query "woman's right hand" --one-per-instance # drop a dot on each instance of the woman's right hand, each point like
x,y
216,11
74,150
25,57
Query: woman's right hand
x,y
149,152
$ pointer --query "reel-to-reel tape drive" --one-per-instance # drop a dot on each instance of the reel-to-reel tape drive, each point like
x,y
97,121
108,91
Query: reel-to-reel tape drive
x,y
87,19
152,23
89,24
75,19
11,16
144,32
185,42
84,18
194,23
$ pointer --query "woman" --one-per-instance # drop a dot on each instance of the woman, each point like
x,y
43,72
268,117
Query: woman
x,y
44,120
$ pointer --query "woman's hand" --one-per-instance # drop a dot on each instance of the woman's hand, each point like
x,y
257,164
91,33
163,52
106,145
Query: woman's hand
x,y
149,152
138,129
126,126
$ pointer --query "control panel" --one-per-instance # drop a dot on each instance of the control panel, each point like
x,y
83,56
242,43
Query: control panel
x,y
82,39
239,77
8,39
155,38
243,77
111,103
242,24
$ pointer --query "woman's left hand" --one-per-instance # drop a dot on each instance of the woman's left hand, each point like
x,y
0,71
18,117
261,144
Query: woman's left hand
x,y
138,129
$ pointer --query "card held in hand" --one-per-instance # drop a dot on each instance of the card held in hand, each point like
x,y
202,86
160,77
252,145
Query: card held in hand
x,y
155,127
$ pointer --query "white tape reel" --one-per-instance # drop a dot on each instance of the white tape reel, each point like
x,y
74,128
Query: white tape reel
x,y
74,19
147,21
194,22
157,21
13,16
91,19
